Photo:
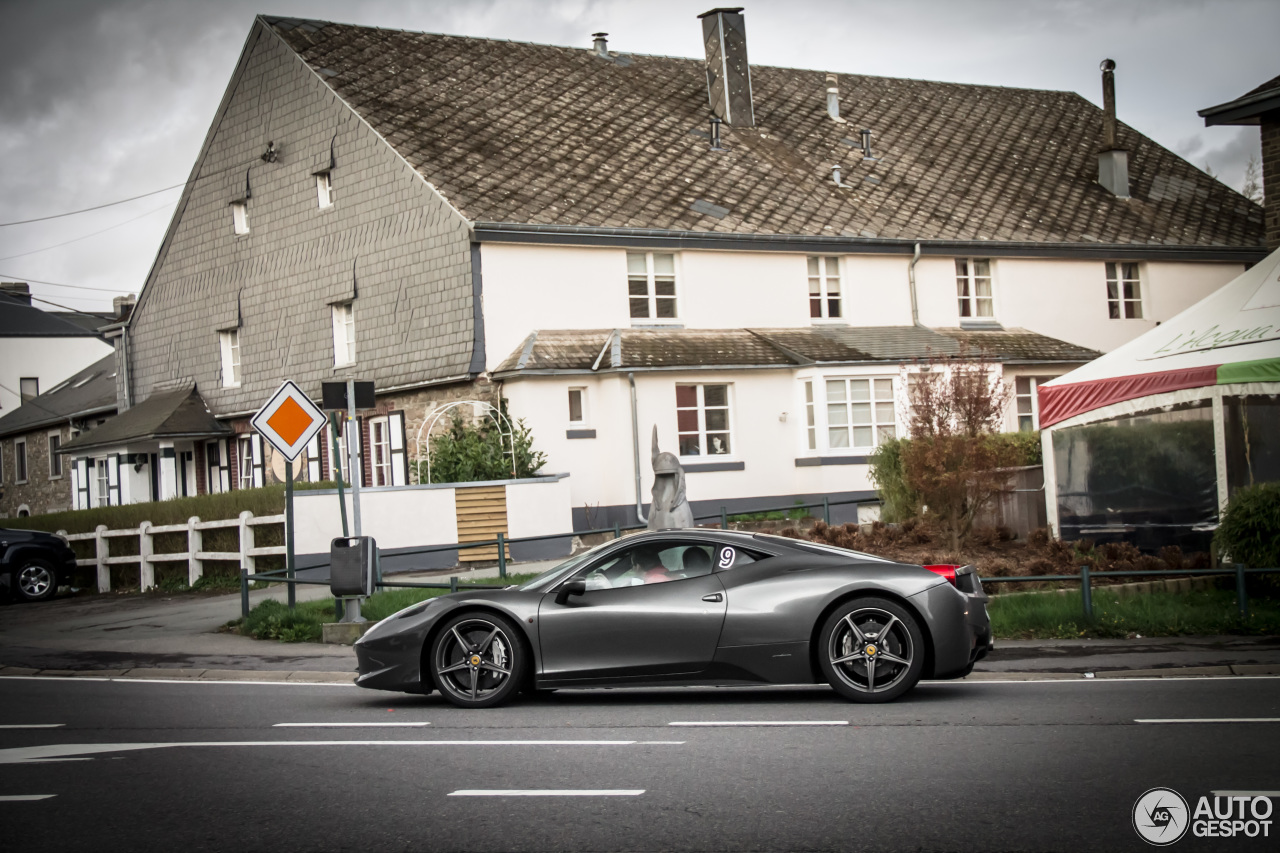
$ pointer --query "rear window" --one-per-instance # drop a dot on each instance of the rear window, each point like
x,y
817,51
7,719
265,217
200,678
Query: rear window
x,y
820,548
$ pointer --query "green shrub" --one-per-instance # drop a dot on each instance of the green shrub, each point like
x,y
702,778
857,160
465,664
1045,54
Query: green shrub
x,y
1249,531
468,453
897,501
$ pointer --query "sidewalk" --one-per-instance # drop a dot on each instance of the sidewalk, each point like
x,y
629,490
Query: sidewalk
x,y
159,636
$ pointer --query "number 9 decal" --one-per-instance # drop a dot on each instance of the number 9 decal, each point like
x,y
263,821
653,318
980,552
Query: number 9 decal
x,y
726,557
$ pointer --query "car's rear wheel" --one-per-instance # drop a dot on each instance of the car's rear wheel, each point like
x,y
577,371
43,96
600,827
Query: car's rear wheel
x,y
871,650
36,580
478,660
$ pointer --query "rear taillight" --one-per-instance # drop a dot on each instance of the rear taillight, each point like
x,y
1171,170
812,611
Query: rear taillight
x,y
947,570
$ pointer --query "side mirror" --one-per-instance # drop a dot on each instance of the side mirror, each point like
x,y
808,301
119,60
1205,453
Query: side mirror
x,y
574,587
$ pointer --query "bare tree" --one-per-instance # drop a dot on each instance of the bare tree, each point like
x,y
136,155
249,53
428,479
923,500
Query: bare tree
x,y
1252,188
951,461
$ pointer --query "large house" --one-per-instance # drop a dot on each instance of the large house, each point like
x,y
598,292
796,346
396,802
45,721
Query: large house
x,y
749,259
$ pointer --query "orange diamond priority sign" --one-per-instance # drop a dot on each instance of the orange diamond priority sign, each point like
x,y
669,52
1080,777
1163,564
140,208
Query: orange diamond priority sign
x,y
288,420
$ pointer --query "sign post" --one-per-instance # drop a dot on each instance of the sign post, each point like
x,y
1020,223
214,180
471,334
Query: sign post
x,y
350,396
288,421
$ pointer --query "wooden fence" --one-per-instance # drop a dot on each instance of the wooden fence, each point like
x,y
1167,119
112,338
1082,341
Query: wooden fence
x,y
194,556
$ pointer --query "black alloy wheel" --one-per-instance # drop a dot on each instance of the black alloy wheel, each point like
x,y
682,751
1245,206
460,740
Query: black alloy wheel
x,y
478,660
35,579
871,650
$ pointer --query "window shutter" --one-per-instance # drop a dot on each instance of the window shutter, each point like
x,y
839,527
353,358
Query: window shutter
x,y
224,465
257,461
399,459
357,435
113,481
313,458
81,485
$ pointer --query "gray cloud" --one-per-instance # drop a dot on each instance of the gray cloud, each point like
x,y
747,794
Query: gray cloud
x,y
105,99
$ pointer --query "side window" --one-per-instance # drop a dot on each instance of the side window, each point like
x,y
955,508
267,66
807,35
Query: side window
x,y
725,557
649,564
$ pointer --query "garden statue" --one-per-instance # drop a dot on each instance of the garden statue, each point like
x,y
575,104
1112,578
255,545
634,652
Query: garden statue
x,y
670,507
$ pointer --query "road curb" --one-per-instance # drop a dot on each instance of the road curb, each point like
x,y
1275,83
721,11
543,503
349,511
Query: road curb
x,y
314,677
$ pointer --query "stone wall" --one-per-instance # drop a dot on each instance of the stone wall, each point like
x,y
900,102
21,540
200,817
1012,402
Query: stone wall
x,y
40,494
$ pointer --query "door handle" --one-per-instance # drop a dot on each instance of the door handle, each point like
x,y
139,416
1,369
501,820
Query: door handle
x,y
715,596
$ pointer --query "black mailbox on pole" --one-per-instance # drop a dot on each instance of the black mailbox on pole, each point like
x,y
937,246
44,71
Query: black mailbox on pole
x,y
352,560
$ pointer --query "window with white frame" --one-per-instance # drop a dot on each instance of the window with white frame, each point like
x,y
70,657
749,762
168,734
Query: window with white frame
x,y
240,217
324,189
651,285
810,417
1124,291
860,412
973,287
380,451
229,342
244,455
55,458
101,483
20,460
29,388
344,334
1028,402
824,287
702,420
577,406
215,466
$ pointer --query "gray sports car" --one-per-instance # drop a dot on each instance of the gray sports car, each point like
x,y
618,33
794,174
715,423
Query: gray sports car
x,y
690,607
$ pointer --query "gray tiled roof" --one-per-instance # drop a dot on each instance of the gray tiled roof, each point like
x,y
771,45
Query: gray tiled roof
x,y
20,320
91,391
605,350
176,413
542,135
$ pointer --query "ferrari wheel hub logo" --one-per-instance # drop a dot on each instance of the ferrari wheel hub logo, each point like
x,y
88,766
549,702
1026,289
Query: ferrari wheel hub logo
x,y
475,660
871,650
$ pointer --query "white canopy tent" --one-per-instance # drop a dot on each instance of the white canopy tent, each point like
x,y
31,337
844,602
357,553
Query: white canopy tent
x,y
1196,399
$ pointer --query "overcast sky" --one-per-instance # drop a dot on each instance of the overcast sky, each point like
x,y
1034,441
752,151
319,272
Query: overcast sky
x,y
104,100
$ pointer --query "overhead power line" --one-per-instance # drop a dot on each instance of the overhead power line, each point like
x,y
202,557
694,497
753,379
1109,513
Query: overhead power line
x,y
86,236
95,207
24,279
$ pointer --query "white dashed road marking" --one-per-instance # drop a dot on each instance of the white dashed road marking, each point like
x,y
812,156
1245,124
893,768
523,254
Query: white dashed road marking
x,y
1216,720
35,726
761,723
549,793
25,798
347,725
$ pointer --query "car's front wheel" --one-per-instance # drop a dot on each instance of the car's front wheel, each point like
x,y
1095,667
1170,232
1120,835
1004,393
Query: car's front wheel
x,y
36,580
871,650
478,660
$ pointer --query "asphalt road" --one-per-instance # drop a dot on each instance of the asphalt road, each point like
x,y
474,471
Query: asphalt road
x,y
977,766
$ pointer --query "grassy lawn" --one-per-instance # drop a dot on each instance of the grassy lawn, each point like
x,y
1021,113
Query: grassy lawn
x,y
1024,616
272,620
1158,614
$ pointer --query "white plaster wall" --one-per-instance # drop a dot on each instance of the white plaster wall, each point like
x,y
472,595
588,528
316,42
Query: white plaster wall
x,y
735,290
396,517
51,360
876,290
536,509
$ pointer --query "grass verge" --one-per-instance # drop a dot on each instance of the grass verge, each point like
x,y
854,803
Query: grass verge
x,y
1045,616
273,620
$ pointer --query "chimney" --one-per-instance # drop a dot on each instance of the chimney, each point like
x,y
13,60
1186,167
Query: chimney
x,y
1113,162
122,306
724,35
18,291
833,98
601,44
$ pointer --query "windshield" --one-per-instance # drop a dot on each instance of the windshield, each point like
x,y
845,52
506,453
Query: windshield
x,y
820,547
554,574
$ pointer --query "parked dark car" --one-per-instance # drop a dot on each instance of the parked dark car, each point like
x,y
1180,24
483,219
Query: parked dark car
x,y
33,564
690,607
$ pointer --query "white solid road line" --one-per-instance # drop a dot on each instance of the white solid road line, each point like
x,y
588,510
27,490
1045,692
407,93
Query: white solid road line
x,y
25,798
1216,720
346,725
35,726
516,792
21,755
760,723
1245,793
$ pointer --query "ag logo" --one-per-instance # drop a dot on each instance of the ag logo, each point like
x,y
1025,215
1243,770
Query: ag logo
x,y
1160,816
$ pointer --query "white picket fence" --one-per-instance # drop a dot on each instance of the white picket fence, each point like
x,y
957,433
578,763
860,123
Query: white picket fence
x,y
195,555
